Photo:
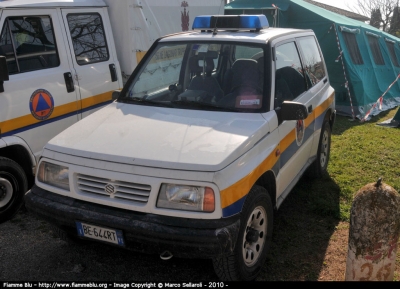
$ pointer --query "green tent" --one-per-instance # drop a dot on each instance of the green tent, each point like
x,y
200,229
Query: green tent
x,y
363,62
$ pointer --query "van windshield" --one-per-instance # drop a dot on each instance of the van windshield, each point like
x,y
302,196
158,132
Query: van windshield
x,y
201,75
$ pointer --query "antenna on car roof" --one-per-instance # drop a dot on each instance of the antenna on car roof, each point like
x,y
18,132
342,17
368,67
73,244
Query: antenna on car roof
x,y
219,12
215,27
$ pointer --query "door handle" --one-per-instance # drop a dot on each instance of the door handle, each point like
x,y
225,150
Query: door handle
x,y
69,82
113,72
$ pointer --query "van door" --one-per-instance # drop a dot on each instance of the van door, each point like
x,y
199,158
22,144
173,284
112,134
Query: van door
x,y
39,99
94,58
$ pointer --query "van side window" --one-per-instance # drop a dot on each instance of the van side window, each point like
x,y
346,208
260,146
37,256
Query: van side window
x,y
28,43
313,65
88,38
289,77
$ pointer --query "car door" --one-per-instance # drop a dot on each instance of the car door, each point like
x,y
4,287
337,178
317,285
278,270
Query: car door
x,y
296,137
317,81
36,103
94,57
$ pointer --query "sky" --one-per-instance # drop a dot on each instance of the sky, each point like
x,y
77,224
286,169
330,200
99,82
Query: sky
x,y
344,4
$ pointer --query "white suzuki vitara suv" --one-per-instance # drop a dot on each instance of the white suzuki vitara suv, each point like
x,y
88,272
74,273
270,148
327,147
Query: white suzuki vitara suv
x,y
209,135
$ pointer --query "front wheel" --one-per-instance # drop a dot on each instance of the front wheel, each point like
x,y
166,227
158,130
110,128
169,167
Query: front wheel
x,y
253,241
13,186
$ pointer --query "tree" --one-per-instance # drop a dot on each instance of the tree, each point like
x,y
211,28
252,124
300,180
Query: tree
x,y
395,22
376,18
385,7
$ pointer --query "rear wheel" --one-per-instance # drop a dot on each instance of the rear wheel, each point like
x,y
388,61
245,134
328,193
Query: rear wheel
x,y
254,239
13,186
320,165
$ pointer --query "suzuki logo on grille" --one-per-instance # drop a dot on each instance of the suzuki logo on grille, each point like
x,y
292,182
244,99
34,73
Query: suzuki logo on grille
x,y
109,189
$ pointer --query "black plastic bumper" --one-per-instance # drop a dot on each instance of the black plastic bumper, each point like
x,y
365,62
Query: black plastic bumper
x,y
149,233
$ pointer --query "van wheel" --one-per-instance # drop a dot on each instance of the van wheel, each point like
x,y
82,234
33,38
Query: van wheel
x,y
253,242
320,165
13,186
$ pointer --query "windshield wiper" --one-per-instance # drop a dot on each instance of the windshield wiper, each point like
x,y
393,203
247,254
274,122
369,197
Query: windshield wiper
x,y
200,104
146,101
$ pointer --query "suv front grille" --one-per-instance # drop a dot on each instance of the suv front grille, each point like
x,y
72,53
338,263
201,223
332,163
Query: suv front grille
x,y
125,191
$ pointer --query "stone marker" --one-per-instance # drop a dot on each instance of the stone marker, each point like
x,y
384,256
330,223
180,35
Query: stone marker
x,y
374,232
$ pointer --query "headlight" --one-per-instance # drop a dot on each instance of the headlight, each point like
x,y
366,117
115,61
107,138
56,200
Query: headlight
x,y
53,175
188,198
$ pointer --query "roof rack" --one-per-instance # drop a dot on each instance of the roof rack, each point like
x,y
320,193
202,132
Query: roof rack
x,y
230,22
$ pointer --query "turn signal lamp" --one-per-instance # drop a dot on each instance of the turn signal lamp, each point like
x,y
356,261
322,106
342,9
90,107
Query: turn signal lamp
x,y
230,22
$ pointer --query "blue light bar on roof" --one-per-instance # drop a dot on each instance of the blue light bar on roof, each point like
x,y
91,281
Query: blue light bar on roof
x,y
230,22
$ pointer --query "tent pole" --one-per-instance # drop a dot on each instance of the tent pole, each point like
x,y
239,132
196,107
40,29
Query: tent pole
x,y
344,72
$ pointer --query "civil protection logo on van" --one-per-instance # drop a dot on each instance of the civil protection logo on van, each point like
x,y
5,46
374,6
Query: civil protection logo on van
x,y
299,132
41,104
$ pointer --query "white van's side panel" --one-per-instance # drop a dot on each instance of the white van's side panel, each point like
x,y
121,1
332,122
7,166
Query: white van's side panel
x,y
94,77
35,105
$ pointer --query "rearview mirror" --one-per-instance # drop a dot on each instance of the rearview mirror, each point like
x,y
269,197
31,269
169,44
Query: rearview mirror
x,y
115,94
291,110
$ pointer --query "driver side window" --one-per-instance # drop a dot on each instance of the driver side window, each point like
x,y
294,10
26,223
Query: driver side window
x,y
28,43
289,76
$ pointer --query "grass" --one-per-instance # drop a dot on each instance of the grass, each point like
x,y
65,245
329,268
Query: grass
x,y
361,152
311,227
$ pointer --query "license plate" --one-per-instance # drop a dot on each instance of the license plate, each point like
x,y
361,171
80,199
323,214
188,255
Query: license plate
x,y
100,233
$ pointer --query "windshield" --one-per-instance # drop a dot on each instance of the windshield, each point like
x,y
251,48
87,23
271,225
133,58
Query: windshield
x,y
201,75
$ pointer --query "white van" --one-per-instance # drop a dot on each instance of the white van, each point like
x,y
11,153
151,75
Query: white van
x,y
209,135
60,61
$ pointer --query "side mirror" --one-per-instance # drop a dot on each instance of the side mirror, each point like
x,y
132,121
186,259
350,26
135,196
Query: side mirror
x,y
293,111
115,94
4,76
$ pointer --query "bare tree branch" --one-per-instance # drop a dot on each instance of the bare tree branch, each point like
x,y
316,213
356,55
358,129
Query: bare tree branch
x,y
385,7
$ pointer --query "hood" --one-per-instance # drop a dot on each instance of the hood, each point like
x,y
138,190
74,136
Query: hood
x,y
161,137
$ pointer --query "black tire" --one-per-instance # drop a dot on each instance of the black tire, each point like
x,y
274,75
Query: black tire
x,y
320,165
13,186
253,241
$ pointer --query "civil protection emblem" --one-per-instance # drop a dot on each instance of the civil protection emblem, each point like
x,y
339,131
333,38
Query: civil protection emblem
x,y
41,104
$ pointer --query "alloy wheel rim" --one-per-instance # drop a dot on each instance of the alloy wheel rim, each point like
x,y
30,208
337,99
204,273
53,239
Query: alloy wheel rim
x,y
6,192
324,148
255,234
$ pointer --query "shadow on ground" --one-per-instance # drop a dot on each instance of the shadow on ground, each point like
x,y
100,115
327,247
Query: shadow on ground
x,y
303,227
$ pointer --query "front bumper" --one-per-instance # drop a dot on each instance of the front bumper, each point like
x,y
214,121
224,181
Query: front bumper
x,y
149,233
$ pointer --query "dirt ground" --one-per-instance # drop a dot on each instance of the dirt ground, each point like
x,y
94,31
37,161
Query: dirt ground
x,y
307,246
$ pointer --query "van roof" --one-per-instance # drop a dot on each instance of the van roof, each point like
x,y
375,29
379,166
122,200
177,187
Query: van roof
x,y
50,3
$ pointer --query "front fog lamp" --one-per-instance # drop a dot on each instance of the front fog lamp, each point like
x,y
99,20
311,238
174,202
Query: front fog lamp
x,y
53,175
188,198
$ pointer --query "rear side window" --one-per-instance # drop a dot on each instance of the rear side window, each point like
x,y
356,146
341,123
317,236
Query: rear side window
x,y
88,38
375,50
28,43
313,66
352,47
